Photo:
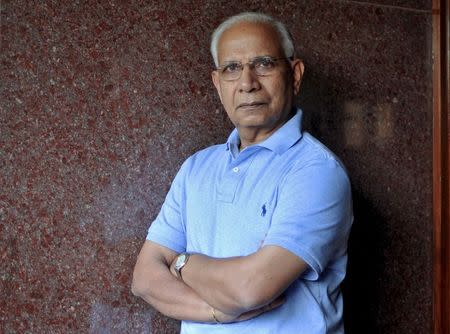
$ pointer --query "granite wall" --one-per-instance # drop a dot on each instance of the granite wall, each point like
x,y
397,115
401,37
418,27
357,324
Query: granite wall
x,y
101,101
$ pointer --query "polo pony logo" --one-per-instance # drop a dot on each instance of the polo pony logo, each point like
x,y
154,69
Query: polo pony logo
x,y
263,210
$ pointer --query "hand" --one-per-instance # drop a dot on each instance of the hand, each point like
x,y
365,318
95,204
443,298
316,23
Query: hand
x,y
228,318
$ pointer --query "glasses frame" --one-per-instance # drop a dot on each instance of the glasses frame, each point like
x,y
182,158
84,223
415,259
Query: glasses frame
x,y
251,64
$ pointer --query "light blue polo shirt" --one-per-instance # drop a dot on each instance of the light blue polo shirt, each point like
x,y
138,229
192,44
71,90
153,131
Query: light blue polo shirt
x,y
289,191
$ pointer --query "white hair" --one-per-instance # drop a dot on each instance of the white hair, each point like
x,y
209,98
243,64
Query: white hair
x,y
285,37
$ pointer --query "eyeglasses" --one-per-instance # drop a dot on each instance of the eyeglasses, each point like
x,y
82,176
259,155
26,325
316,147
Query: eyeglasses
x,y
262,66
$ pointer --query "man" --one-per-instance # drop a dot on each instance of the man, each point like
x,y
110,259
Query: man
x,y
252,236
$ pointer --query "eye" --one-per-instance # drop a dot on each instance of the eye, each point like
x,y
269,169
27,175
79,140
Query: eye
x,y
265,63
231,68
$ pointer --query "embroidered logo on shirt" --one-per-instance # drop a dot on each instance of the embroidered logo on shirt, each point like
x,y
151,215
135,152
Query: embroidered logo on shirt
x,y
263,210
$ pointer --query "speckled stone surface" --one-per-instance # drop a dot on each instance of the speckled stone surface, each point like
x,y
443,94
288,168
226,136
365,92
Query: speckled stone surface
x,y
409,5
101,101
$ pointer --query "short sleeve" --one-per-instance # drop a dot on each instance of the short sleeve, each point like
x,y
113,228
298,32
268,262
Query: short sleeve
x,y
313,214
168,229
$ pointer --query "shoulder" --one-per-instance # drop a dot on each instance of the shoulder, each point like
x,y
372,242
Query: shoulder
x,y
204,157
310,158
207,153
310,150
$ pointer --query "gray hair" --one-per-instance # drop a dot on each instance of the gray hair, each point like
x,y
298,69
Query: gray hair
x,y
285,37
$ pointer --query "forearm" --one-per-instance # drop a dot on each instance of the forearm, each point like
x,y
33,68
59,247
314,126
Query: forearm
x,y
153,282
215,281
174,299
239,284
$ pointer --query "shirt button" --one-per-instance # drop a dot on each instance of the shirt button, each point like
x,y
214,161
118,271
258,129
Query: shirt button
x,y
236,169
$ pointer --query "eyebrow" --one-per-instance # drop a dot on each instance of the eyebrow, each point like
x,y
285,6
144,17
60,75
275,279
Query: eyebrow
x,y
239,61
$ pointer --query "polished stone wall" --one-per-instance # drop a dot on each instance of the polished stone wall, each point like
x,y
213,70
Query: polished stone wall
x,y
101,101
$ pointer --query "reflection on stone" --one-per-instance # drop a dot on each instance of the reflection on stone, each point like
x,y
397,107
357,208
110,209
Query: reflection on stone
x,y
364,123
354,124
384,123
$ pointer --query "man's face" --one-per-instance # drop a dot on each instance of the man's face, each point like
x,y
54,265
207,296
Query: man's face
x,y
252,102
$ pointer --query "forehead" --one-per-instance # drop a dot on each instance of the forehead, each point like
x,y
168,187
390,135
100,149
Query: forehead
x,y
247,40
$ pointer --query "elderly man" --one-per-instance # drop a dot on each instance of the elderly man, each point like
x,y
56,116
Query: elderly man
x,y
252,236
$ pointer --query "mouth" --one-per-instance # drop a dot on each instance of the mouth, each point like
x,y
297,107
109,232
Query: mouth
x,y
250,105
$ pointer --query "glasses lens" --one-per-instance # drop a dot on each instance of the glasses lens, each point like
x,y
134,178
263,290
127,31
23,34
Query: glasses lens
x,y
231,71
263,65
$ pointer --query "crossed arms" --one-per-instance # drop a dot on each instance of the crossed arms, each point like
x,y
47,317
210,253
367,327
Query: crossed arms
x,y
312,220
238,288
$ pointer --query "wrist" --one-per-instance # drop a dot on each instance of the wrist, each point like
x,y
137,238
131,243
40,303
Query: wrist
x,y
179,263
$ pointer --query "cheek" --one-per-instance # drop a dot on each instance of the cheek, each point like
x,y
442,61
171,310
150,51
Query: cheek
x,y
281,92
227,97
277,94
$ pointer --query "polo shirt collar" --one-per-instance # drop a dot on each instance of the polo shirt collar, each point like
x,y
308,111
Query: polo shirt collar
x,y
279,142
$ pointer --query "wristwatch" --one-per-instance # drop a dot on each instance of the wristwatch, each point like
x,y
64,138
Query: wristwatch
x,y
180,262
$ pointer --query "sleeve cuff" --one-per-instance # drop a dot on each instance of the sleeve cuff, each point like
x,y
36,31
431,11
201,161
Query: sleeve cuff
x,y
311,274
166,242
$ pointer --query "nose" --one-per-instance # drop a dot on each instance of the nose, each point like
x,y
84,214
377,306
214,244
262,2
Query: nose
x,y
248,81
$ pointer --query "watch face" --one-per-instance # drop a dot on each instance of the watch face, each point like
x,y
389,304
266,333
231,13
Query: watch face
x,y
180,261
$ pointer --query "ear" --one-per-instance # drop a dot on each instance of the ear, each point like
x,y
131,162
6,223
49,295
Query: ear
x,y
298,70
216,82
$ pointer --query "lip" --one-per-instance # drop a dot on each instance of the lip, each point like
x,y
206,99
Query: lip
x,y
250,105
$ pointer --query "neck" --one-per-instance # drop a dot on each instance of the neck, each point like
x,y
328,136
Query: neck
x,y
249,136
253,135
